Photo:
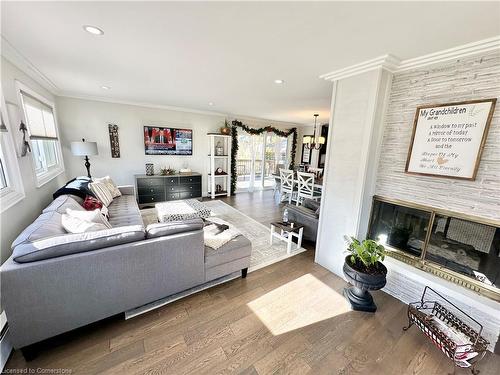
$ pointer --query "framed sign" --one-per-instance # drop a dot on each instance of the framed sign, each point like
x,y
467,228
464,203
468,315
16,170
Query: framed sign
x,y
448,139
306,153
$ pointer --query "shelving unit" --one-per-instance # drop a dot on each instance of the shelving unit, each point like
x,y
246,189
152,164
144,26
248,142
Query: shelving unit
x,y
219,161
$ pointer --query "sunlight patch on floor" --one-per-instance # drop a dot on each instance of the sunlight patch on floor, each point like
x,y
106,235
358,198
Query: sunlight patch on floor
x,y
299,303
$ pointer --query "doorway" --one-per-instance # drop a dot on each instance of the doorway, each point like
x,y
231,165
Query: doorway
x,y
259,159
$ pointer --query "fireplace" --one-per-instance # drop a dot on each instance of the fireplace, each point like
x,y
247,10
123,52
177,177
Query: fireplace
x,y
459,248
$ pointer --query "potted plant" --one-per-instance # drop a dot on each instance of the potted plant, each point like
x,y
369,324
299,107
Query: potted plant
x,y
364,270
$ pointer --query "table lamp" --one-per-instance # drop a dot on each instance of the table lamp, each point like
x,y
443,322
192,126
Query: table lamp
x,y
84,149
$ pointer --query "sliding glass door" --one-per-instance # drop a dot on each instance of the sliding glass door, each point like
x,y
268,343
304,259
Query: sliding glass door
x,y
259,158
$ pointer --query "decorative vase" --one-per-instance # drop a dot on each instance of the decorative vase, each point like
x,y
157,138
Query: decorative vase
x,y
219,150
150,169
358,295
225,130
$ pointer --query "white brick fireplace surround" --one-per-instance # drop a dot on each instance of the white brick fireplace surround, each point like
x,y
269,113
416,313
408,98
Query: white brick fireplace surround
x,y
373,105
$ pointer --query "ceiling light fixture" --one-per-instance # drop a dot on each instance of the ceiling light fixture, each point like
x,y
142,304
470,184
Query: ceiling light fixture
x,y
316,141
93,30
105,87
210,104
279,81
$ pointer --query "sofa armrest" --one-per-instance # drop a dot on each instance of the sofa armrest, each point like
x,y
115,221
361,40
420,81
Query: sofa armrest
x,y
174,227
127,189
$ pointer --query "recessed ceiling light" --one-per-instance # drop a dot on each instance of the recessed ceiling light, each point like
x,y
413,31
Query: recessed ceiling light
x,y
210,104
105,87
279,81
93,30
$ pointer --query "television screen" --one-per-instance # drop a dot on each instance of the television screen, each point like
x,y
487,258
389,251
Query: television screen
x,y
168,141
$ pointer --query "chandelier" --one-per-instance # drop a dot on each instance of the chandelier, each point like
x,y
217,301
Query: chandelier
x,y
316,141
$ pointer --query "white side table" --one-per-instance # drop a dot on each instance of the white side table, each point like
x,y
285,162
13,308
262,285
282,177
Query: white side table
x,y
287,232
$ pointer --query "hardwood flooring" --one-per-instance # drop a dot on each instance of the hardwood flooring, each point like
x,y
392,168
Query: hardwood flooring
x,y
287,318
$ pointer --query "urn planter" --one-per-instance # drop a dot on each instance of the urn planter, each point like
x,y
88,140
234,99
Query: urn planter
x,y
362,282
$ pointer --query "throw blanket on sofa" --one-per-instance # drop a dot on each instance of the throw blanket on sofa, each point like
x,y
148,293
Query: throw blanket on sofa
x,y
218,233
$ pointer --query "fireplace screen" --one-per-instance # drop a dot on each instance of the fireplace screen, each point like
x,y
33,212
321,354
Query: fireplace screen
x,y
427,237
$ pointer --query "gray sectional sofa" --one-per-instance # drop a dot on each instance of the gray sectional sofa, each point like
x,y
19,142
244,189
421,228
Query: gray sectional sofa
x,y
308,215
55,282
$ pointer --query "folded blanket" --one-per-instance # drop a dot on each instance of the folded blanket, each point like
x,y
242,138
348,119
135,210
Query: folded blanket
x,y
218,233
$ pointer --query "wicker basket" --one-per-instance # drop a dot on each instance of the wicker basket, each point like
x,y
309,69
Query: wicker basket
x,y
420,313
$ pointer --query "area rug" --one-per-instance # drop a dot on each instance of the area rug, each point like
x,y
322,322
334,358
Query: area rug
x,y
263,253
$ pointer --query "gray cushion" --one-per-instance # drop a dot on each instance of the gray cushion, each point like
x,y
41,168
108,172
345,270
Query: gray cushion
x,y
239,247
173,227
124,211
311,204
60,245
65,201
46,225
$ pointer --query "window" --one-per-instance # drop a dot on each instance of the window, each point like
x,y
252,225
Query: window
x,y
11,186
38,115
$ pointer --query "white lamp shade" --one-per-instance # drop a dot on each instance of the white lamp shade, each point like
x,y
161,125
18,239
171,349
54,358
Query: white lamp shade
x,y
307,139
84,148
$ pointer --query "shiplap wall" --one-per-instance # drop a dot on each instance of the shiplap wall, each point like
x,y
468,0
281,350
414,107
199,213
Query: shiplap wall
x,y
474,77
470,78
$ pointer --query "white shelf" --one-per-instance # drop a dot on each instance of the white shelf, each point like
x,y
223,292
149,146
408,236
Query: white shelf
x,y
219,161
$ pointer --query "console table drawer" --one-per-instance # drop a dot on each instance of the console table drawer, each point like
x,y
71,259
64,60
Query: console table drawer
x,y
190,179
151,190
171,180
186,187
151,198
189,194
149,182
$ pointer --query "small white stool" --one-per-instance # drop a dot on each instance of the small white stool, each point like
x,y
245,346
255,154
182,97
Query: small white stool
x,y
287,232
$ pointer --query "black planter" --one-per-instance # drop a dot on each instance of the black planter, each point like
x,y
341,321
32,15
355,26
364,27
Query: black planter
x,y
358,294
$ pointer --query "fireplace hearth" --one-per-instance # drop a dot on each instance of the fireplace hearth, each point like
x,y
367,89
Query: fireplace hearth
x,y
459,248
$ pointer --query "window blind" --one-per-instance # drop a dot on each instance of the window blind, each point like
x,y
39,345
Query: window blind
x,y
39,118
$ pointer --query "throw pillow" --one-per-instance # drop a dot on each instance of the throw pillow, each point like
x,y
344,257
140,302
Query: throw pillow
x,y
102,192
91,203
115,192
94,216
77,225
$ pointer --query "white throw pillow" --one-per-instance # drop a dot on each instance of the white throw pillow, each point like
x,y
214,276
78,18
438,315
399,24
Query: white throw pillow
x,y
94,216
76,225
113,189
102,192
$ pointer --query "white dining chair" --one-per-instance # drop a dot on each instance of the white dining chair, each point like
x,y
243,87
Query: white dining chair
x,y
286,179
306,187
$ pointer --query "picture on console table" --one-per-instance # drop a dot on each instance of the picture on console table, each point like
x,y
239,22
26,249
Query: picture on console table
x,y
168,141
448,139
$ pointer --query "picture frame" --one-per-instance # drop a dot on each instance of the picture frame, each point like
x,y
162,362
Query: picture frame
x,y
306,153
448,139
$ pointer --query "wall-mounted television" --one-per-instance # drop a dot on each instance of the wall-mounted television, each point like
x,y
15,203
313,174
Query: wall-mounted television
x,y
168,141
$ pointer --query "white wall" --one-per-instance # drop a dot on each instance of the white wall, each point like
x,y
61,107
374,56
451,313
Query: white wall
x,y
80,118
19,216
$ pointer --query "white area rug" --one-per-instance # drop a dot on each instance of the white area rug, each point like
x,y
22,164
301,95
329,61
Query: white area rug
x,y
263,253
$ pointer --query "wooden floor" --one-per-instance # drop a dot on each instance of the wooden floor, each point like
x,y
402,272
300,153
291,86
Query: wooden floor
x,y
288,318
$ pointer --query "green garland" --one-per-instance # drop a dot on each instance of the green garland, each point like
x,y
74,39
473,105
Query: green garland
x,y
234,149
234,153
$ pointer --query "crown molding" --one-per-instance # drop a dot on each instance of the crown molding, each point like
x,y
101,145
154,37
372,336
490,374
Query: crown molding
x,y
394,65
462,51
70,95
387,62
20,61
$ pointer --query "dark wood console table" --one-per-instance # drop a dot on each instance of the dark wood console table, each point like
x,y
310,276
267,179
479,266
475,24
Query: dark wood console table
x,y
157,188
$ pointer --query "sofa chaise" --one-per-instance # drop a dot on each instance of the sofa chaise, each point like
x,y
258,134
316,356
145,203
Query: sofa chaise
x,y
55,282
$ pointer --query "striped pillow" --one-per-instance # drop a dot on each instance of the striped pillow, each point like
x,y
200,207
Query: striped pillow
x,y
102,192
110,184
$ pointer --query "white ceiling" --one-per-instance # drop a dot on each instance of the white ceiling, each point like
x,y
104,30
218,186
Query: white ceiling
x,y
190,54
